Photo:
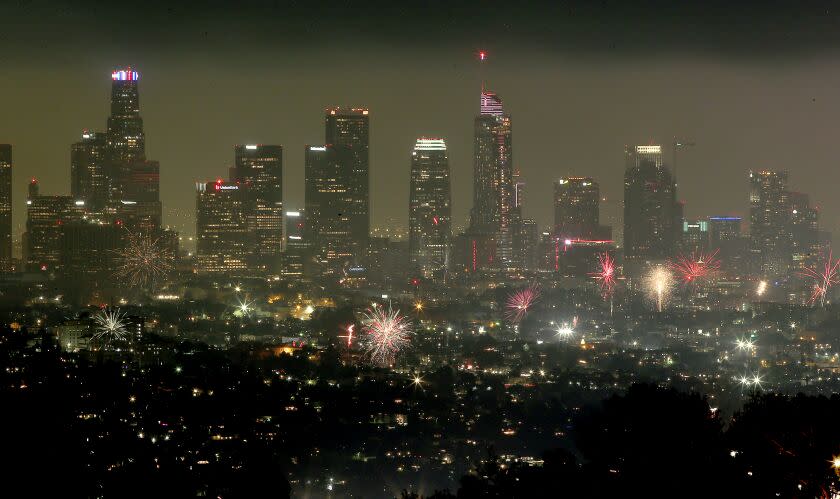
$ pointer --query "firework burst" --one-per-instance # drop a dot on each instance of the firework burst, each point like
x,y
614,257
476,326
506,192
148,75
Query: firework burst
x,y
387,334
110,325
695,267
658,284
824,275
144,261
520,301
244,307
605,275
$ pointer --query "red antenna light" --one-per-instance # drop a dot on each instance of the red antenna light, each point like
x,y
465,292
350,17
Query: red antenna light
x,y
482,55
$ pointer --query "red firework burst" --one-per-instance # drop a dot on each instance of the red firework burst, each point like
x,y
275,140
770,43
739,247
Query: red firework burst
x,y
696,266
605,275
520,301
825,275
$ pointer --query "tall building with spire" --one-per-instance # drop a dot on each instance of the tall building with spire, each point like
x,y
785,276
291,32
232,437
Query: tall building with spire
x,y
429,208
494,216
5,207
348,129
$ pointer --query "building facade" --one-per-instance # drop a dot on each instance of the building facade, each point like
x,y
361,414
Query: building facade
x,y
347,130
494,218
259,168
576,208
221,227
429,208
5,207
88,170
652,215
771,241
329,203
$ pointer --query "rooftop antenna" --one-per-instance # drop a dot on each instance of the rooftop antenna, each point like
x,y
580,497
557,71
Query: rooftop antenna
x,y
482,56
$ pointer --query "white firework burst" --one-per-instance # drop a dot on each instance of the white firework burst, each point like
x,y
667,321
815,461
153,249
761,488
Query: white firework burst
x,y
658,285
143,261
110,325
387,334
244,308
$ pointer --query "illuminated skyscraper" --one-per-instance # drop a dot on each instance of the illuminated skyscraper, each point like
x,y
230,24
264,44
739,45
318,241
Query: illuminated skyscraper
x,y
429,210
296,246
491,105
46,217
88,175
221,227
804,231
349,128
576,208
260,169
652,215
329,205
133,181
5,207
771,245
493,215
126,140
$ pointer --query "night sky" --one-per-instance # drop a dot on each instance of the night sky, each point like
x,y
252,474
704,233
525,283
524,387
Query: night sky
x,y
754,85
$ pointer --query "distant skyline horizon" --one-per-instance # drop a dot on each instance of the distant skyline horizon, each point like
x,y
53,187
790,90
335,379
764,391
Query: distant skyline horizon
x,y
180,215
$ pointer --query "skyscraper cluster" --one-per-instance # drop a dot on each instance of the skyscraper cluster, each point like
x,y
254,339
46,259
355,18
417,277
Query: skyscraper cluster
x,y
114,191
784,231
239,222
244,228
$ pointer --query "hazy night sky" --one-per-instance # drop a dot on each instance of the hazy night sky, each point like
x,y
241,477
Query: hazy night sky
x,y
754,87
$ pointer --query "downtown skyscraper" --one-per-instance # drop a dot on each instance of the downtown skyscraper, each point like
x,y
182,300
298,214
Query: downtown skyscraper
x,y
429,209
652,215
133,181
329,204
494,217
259,169
5,207
784,230
347,130
577,208
221,227
89,177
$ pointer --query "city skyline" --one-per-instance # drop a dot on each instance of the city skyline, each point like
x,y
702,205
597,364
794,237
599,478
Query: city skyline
x,y
419,250
385,200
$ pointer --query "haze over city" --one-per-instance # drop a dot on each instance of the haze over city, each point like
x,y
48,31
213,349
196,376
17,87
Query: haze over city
x,y
721,78
419,250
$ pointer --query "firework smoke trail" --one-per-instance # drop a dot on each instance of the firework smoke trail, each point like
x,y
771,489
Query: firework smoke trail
x,y
658,284
520,301
605,275
387,334
110,325
824,275
696,266
143,261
